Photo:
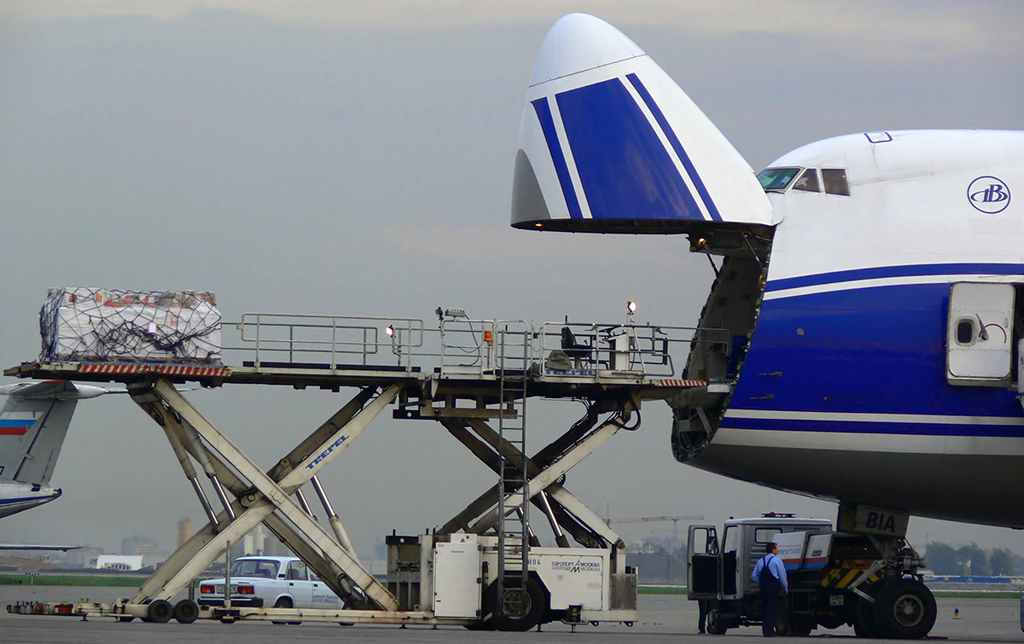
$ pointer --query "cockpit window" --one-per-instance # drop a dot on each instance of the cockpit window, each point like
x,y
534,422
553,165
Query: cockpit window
x,y
777,179
808,181
835,182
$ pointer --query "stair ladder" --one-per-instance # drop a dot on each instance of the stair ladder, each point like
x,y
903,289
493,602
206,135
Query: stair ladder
x,y
513,520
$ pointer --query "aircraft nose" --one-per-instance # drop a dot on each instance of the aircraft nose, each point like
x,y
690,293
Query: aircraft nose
x,y
578,42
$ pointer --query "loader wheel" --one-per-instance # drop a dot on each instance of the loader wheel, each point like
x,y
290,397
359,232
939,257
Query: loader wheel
x,y
160,611
186,611
519,610
905,609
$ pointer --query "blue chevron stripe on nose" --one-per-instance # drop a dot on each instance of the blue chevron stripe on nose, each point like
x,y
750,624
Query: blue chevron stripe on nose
x,y
670,134
624,168
547,126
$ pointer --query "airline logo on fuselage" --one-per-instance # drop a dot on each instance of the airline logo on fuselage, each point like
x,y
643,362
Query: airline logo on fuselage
x,y
989,195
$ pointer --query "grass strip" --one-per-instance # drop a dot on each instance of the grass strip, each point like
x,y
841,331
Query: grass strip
x,y
125,581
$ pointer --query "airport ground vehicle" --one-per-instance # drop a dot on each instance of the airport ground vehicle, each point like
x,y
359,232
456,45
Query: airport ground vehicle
x,y
454,576
835,578
485,567
283,582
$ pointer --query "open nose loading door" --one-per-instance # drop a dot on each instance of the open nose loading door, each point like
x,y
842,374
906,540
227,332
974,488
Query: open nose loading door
x,y
609,143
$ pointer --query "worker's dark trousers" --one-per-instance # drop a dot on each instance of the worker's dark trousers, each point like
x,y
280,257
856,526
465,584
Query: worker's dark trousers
x,y
770,596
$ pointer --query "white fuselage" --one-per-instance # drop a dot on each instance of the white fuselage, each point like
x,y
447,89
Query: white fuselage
x,y
16,497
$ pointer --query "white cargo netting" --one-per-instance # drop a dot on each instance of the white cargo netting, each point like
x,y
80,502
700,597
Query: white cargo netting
x,y
146,326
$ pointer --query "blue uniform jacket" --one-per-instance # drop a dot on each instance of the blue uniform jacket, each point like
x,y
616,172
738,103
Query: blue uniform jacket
x,y
775,567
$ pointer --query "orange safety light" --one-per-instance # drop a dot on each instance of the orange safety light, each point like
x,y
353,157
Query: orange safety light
x,y
488,336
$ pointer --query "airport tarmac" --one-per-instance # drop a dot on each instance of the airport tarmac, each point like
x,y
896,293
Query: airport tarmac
x,y
663,618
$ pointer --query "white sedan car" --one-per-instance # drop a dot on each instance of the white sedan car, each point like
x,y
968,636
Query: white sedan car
x,y
269,582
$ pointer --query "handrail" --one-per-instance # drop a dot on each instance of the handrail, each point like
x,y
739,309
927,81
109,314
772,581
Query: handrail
x,y
463,347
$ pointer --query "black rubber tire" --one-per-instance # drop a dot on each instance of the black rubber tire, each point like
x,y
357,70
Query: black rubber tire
x,y
715,626
186,611
537,607
904,609
864,619
160,611
284,602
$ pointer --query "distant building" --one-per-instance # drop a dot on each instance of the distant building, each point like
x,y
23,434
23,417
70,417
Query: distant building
x,y
184,531
140,546
126,563
255,542
85,557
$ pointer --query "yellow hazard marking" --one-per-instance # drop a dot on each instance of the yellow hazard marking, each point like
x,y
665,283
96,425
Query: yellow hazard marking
x,y
830,577
850,576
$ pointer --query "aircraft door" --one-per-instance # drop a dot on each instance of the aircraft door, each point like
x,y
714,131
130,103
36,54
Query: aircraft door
x,y
702,562
979,335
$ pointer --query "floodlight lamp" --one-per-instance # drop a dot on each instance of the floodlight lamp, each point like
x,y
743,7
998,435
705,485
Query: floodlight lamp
x,y
631,306
390,331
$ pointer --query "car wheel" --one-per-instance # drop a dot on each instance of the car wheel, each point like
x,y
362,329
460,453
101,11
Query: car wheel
x,y
284,602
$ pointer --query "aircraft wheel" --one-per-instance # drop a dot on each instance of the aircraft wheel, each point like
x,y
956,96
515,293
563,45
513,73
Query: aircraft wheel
x,y
520,610
864,619
715,625
160,611
905,609
186,611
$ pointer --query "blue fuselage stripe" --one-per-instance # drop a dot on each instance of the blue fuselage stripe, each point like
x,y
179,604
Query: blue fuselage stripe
x,y
24,500
874,350
859,427
547,125
659,116
882,272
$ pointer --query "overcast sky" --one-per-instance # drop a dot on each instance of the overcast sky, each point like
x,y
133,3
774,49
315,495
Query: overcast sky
x,y
356,158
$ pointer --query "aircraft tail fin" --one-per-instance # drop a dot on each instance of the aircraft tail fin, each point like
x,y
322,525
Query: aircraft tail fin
x,y
33,425
609,143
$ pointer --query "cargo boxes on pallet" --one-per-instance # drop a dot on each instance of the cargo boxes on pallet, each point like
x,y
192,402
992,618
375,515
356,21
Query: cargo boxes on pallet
x,y
144,326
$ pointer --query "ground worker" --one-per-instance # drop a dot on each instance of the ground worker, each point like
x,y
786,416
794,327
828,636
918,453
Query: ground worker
x,y
770,575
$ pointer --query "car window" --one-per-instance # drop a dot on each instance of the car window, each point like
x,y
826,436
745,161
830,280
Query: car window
x,y
296,570
266,568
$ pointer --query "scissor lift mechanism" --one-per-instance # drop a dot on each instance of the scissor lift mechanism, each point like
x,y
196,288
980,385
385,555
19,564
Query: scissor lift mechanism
x,y
463,393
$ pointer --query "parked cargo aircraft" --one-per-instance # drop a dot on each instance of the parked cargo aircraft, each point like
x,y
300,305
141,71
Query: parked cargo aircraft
x,y
33,425
871,285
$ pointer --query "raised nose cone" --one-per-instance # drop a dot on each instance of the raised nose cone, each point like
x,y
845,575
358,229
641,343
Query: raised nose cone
x,y
579,42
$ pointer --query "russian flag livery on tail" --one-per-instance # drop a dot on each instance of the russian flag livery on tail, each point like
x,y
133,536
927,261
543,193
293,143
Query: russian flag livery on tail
x,y
33,424
871,286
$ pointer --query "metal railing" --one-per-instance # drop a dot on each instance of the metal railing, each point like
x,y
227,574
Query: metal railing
x,y
325,339
461,347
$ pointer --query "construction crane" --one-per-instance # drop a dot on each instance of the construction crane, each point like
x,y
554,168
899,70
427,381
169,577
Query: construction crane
x,y
675,532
